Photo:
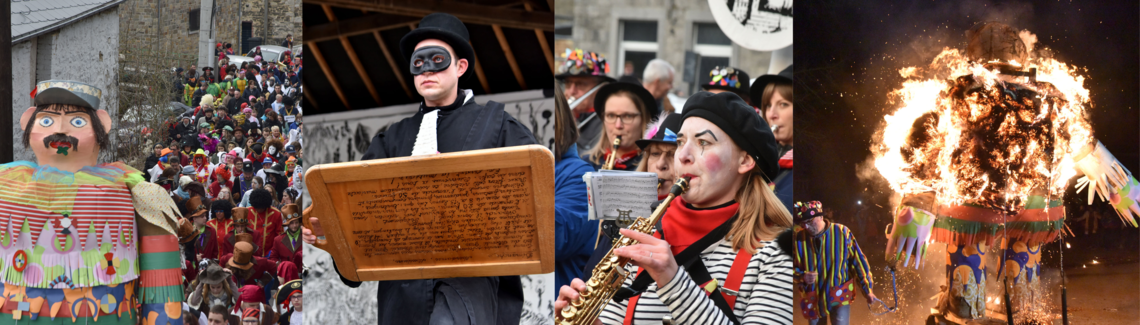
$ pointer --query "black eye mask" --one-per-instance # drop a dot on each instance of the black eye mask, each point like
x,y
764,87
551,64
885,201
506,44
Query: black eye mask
x,y
429,58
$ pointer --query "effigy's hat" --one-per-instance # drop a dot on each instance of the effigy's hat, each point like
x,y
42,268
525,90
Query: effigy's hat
x,y
67,92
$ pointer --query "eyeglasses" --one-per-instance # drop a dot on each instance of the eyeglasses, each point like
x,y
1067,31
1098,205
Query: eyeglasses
x,y
625,118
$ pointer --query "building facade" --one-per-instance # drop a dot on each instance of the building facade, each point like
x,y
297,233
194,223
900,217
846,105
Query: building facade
x,y
632,32
176,26
72,40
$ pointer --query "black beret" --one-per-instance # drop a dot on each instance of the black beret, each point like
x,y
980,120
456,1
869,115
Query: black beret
x,y
740,121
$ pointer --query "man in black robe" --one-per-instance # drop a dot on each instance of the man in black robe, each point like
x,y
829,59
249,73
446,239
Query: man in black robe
x,y
439,54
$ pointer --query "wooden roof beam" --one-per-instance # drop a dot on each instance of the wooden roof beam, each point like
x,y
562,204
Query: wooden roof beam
x,y
393,63
310,99
510,56
541,35
467,12
352,57
360,69
355,26
482,77
328,73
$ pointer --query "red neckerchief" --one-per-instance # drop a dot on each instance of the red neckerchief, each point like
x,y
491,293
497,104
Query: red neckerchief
x,y
619,163
786,160
684,225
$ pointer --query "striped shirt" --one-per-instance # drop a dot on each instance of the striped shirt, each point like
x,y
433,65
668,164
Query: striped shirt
x,y
101,205
765,293
834,254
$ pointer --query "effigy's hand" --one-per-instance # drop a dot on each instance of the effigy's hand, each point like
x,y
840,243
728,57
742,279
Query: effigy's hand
x,y
1105,176
911,229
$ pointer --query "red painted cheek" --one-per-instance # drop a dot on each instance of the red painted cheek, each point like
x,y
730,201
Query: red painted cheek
x,y
712,162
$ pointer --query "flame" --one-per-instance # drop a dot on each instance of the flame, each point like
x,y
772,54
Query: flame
x,y
969,133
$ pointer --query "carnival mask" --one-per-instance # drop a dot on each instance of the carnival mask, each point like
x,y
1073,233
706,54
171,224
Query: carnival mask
x,y
67,134
272,150
430,59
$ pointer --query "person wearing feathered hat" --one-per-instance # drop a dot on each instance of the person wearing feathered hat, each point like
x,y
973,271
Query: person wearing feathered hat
x,y
729,79
828,264
74,197
449,120
582,75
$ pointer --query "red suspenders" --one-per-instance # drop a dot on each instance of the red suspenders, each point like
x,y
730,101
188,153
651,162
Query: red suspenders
x,y
732,282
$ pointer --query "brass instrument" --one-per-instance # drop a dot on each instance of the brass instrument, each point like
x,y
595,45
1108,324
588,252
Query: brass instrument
x,y
609,165
610,272
613,155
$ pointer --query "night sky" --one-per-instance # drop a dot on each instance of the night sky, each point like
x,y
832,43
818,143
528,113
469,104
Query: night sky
x,y
848,54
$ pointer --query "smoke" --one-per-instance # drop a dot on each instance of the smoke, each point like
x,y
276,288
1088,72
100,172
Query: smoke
x,y
1029,39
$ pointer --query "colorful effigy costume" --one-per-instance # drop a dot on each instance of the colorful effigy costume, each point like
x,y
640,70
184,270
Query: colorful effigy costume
x,y
92,244
985,161
71,250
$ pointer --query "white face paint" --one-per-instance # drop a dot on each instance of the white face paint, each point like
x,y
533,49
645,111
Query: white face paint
x,y
272,150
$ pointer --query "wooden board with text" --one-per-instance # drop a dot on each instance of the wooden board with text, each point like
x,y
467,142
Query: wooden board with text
x,y
465,214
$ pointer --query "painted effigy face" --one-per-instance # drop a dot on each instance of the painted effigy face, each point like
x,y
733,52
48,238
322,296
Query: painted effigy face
x,y
64,136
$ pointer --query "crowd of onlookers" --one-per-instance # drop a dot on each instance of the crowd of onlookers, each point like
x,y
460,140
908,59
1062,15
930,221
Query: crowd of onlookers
x,y
234,166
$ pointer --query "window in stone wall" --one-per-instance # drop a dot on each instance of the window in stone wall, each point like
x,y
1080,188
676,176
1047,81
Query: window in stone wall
x,y
195,19
713,48
638,46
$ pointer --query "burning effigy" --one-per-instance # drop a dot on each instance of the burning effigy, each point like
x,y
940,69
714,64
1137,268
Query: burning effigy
x,y
981,147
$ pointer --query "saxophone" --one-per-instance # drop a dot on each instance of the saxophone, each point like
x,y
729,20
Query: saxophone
x,y
610,272
613,155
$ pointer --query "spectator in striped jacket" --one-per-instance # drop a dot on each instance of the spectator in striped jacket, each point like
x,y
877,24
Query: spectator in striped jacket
x,y
713,259
828,262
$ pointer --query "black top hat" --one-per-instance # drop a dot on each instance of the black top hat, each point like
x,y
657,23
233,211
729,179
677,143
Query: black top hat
x,y
443,27
639,91
757,88
730,79
666,132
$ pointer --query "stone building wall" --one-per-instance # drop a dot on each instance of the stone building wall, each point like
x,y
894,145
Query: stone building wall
x,y
163,25
84,50
284,18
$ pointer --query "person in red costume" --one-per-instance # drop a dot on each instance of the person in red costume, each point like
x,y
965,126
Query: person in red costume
x,y
221,221
264,218
287,245
714,256
242,231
